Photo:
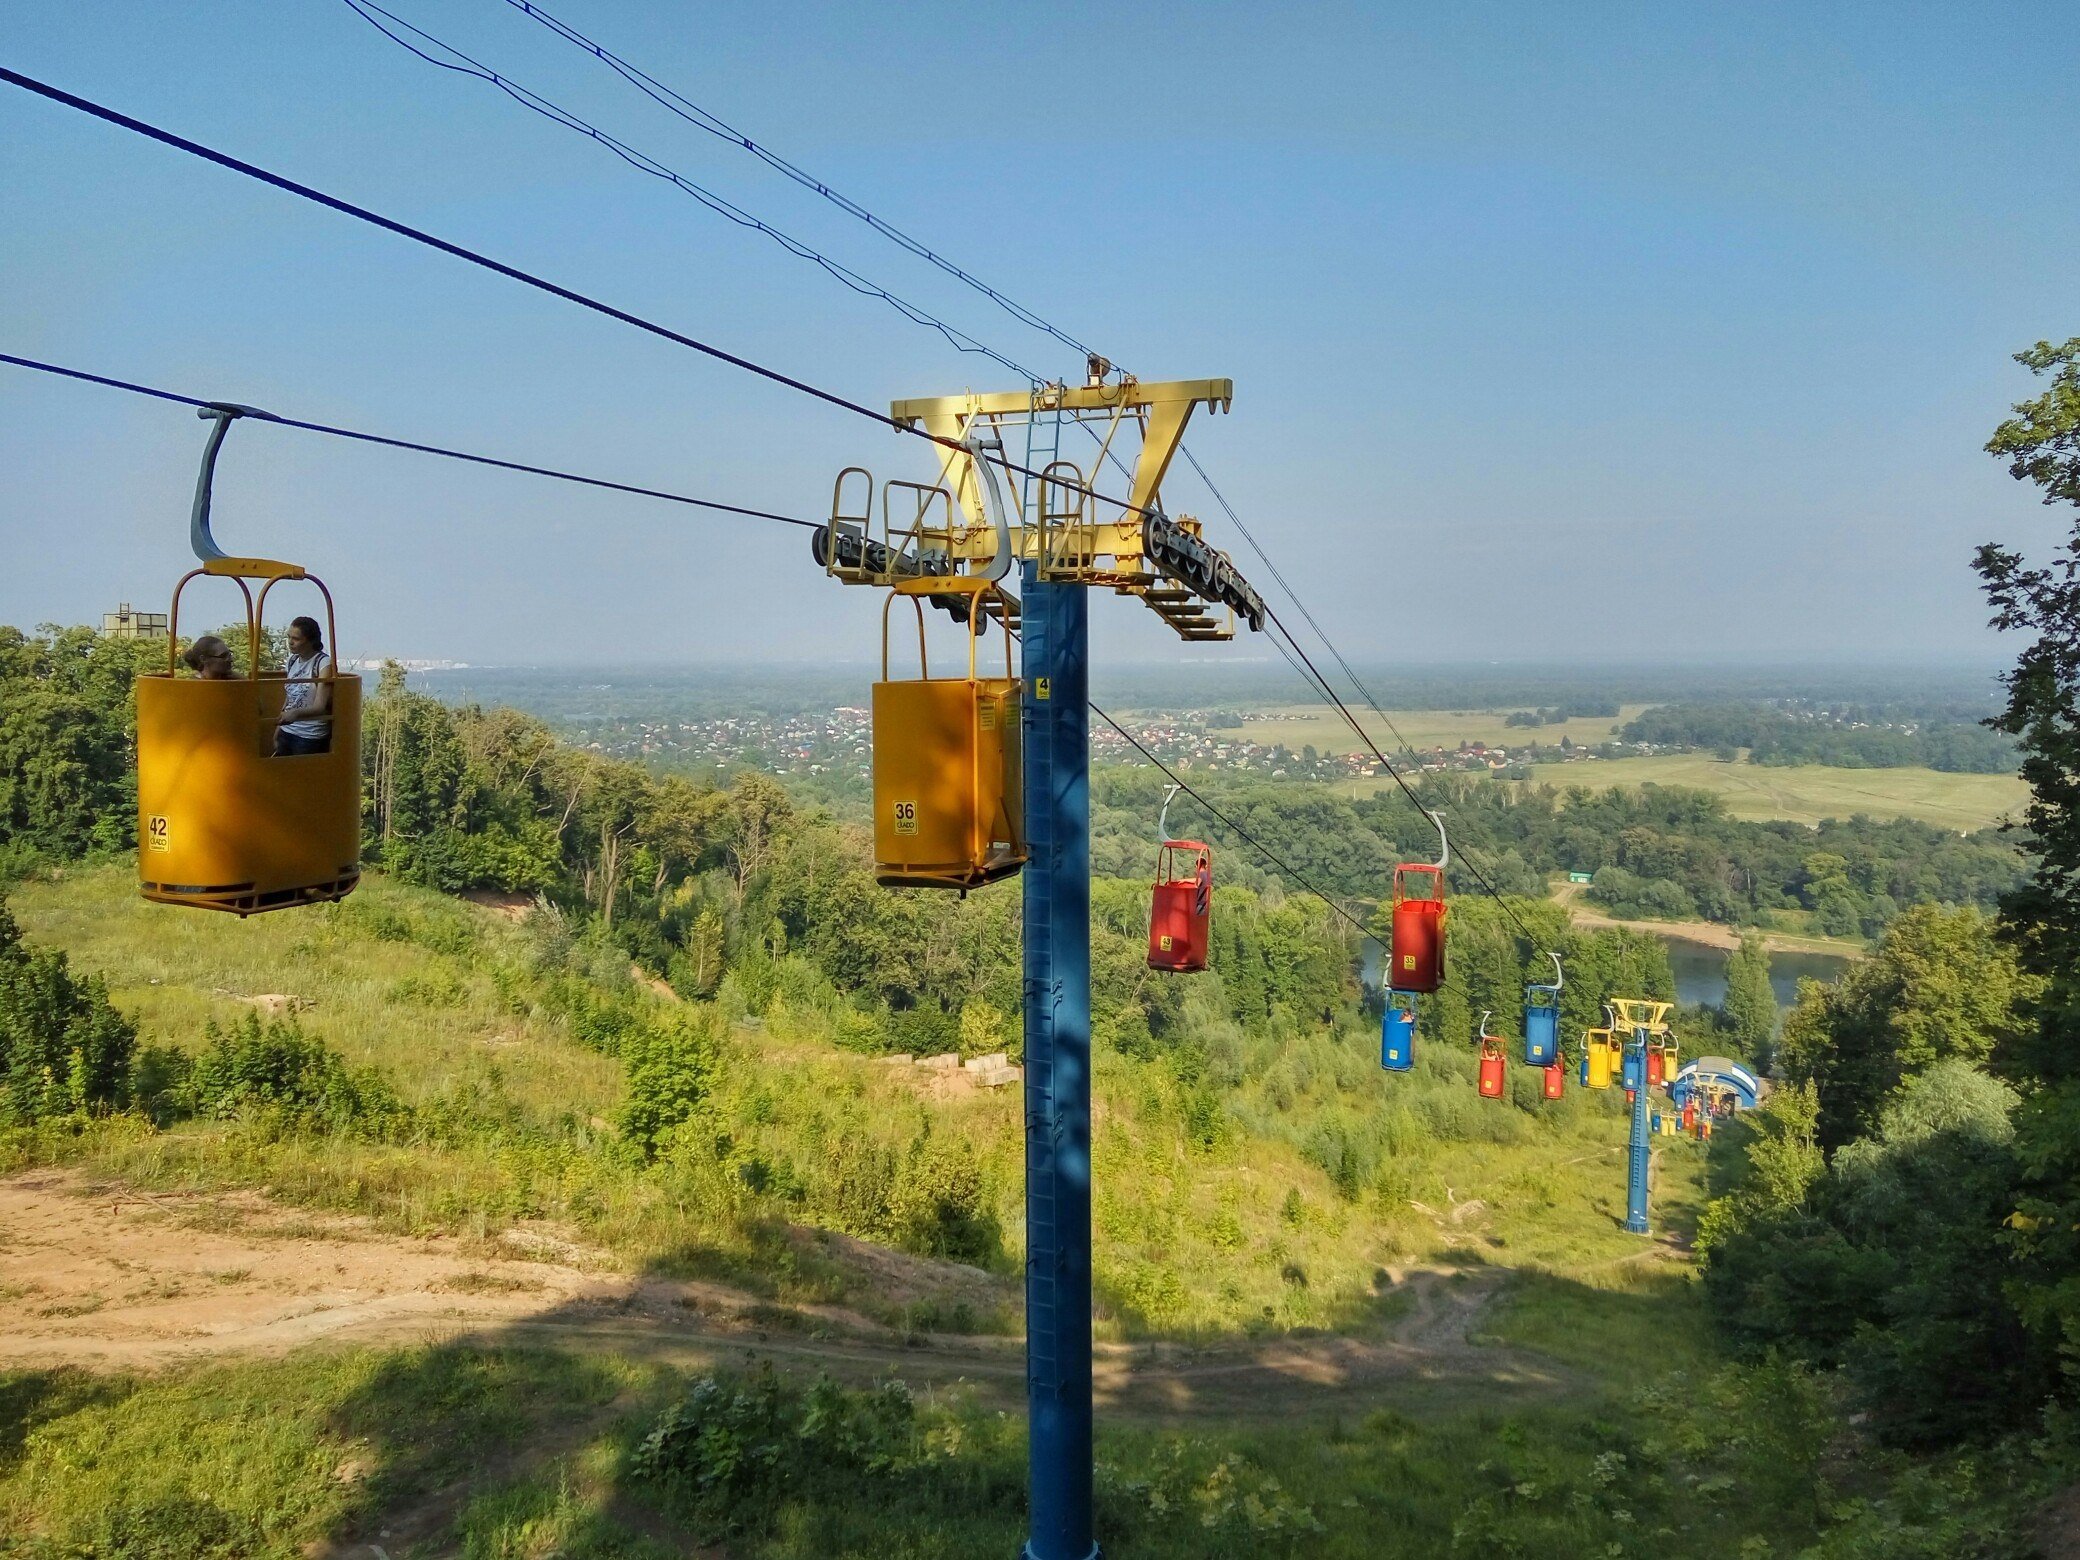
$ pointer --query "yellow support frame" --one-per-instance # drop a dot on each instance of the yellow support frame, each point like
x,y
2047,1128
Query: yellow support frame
x,y
1159,410
1635,1014
964,523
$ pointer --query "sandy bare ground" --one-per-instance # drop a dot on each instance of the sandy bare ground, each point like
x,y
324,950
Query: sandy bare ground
x,y
1709,934
106,1278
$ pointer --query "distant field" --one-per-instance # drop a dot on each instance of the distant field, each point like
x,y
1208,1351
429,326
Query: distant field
x,y
1808,793
1328,733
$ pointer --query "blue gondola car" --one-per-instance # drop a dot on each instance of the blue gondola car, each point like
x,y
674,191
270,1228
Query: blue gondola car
x,y
1397,1032
1541,1025
1635,1066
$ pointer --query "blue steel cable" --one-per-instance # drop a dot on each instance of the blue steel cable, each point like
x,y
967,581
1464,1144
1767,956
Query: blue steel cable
x,y
512,272
703,119
364,437
715,125
385,22
1251,840
515,273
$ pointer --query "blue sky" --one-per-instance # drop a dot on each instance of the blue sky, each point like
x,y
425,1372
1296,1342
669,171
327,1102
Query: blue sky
x,y
1559,333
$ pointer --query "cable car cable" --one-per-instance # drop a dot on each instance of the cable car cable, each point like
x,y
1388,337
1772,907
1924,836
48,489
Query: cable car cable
x,y
1253,842
960,340
1466,851
370,12
1294,596
1416,801
359,435
408,444
362,436
515,273
641,491
684,107
690,111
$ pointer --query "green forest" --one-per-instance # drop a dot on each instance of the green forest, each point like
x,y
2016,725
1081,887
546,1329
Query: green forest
x,y
1848,737
670,1024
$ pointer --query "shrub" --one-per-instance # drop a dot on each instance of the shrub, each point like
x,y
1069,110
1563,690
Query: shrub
x,y
940,1207
64,1050
277,1075
734,1447
160,1079
1889,1261
673,1060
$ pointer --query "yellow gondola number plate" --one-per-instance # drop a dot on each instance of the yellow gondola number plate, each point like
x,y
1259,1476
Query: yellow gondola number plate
x,y
906,817
155,832
1042,687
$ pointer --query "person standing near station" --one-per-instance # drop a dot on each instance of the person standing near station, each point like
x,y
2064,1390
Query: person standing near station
x,y
305,724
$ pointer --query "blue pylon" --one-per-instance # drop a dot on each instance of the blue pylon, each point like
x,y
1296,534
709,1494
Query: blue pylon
x,y
1640,1147
1056,734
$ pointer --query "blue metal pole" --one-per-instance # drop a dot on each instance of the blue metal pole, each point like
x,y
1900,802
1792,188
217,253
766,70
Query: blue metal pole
x,y
1056,733
1636,1177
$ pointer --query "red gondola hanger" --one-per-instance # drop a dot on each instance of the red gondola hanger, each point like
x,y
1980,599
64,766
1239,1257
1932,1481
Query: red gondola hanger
x,y
1417,955
1181,910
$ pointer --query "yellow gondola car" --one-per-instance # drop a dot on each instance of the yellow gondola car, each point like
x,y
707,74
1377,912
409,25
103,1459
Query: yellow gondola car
x,y
1596,1057
948,800
223,824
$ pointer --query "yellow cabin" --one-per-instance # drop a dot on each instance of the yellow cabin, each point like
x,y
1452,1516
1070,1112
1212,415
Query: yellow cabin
x,y
948,803
1597,1058
222,823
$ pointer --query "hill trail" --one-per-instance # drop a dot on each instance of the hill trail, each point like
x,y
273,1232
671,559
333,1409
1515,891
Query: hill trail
x,y
106,1278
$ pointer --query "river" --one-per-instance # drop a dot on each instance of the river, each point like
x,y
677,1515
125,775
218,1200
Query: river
x,y
1700,971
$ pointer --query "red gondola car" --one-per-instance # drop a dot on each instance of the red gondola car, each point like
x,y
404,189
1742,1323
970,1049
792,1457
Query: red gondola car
x,y
1418,953
1183,908
1491,1071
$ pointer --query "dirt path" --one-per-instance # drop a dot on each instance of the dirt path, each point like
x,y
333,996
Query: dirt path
x,y
1709,934
110,1279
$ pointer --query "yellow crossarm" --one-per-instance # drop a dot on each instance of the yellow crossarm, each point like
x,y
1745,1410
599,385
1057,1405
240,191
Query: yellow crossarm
x,y
1635,1013
1161,409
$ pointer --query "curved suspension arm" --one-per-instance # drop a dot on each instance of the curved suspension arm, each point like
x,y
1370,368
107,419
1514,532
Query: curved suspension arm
x,y
1444,846
1559,979
1163,817
223,414
1484,1036
991,497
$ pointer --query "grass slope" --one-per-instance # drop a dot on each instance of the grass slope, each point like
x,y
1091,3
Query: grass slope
x,y
1321,1173
1632,1438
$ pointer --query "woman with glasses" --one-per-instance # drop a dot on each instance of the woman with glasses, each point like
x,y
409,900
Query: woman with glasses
x,y
209,657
